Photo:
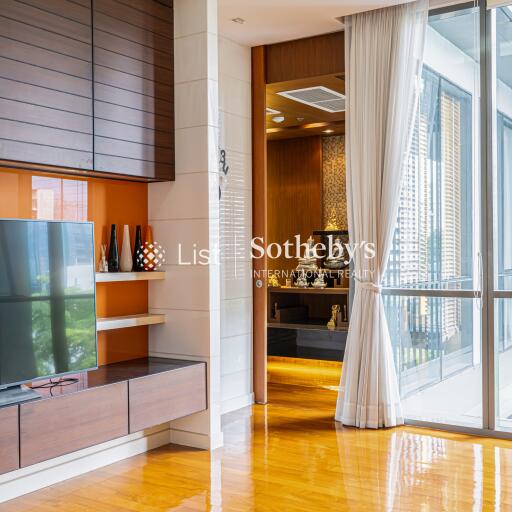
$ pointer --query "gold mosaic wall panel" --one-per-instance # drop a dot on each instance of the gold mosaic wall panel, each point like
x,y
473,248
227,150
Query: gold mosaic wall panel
x,y
334,180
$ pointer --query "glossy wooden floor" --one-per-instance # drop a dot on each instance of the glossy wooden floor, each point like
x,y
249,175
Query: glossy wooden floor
x,y
291,456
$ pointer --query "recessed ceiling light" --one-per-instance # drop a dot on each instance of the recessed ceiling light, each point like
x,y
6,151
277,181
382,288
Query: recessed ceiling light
x,y
240,21
328,131
278,119
271,111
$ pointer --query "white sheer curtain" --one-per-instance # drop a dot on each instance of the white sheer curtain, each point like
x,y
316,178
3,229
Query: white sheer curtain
x,y
384,52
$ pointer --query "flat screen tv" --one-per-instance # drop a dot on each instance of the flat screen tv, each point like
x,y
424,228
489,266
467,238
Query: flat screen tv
x,y
47,300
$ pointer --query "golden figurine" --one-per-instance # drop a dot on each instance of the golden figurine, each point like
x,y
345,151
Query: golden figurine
x,y
331,324
273,282
332,224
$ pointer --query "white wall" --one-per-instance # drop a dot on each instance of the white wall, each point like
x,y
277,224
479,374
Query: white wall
x,y
236,226
187,211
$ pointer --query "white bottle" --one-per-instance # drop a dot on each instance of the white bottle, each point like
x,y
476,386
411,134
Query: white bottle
x,y
126,263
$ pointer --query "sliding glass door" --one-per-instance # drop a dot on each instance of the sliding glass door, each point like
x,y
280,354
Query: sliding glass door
x,y
448,294
433,296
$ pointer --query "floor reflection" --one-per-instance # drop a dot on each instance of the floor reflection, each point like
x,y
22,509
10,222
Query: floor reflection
x,y
290,455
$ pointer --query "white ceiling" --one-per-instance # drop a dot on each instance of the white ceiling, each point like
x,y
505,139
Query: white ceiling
x,y
272,21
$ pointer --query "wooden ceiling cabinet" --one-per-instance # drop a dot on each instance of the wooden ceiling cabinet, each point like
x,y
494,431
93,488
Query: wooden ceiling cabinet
x,y
134,88
87,87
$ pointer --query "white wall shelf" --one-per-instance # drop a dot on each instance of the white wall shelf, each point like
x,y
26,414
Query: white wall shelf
x,y
115,277
123,322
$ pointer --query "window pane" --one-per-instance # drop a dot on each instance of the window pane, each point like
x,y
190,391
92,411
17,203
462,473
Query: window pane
x,y
503,137
437,233
437,349
503,332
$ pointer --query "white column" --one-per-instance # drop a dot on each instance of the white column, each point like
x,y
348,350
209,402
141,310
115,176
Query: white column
x,y
187,211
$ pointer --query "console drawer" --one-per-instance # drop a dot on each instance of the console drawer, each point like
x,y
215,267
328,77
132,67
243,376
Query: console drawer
x,y
60,425
163,397
9,439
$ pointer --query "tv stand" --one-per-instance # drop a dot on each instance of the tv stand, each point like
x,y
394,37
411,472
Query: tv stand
x,y
17,394
103,404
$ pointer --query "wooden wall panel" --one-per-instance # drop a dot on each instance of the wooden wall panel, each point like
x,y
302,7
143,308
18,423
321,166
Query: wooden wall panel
x,y
9,439
53,427
45,98
259,223
37,36
303,58
24,52
294,170
133,88
74,10
46,83
37,14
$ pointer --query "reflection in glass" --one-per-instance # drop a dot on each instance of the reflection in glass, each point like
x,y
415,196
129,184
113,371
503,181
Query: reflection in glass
x,y
47,299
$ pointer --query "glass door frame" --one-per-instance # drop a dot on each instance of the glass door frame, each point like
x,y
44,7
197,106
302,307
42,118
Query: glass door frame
x,y
485,260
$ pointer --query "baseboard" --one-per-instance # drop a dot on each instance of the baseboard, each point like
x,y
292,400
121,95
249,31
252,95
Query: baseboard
x,y
27,480
233,404
195,440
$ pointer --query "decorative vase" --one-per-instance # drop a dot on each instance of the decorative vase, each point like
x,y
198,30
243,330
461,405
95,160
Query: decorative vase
x,y
126,251
138,254
149,254
103,267
113,251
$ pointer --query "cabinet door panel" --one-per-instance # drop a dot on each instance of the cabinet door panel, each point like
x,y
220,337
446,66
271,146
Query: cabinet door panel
x,y
134,89
167,396
46,83
56,426
9,440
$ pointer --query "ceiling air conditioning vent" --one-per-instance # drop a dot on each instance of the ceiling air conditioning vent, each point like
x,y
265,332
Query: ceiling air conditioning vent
x,y
317,97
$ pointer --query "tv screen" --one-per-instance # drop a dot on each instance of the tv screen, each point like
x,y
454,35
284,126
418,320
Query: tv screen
x,y
47,300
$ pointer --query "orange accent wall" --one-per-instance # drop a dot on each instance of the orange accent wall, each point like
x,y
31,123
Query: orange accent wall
x,y
27,195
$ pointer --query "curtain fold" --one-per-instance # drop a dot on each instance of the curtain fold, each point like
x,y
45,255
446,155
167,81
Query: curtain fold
x,y
383,57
